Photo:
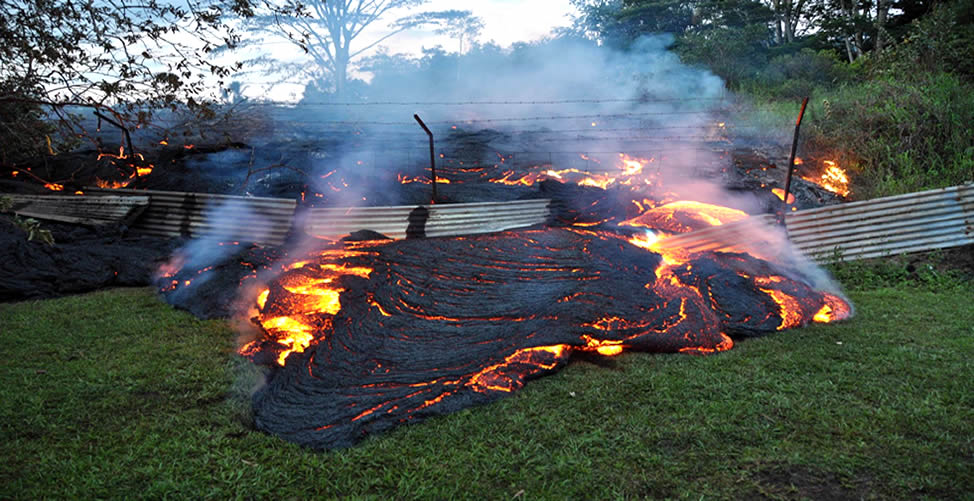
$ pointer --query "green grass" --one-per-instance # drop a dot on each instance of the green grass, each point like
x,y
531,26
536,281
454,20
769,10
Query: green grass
x,y
893,135
114,394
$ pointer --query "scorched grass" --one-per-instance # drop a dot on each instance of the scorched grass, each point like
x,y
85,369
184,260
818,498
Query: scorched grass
x,y
114,394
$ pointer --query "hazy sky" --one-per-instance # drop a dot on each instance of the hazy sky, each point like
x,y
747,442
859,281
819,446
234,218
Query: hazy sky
x,y
505,22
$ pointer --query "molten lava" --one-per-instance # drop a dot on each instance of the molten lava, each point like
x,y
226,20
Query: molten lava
x,y
134,164
371,335
685,216
833,178
780,193
630,173
365,336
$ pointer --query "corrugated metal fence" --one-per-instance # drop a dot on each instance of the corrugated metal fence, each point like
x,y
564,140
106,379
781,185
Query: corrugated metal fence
x,y
914,222
428,220
270,220
92,211
226,217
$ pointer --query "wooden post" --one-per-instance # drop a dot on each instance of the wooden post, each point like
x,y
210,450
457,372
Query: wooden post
x,y
432,154
791,162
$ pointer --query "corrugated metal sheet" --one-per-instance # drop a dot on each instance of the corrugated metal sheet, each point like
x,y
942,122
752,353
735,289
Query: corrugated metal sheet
x,y
927,220
94,211
225,217
443,219
915,222
269,220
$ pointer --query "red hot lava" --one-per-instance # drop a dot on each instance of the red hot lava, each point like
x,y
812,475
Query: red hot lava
x,y
370,335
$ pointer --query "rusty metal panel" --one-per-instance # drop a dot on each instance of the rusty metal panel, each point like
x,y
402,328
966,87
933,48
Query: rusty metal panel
x,y
914,222
93,211
441,220
225,217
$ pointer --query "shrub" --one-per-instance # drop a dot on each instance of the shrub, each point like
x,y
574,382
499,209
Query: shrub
x,y
900,136
801,73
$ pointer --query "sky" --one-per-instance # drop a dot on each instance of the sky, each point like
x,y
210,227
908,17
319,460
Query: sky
x,y
505,23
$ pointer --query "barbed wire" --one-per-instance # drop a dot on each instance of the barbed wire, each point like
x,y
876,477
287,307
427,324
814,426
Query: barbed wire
x,y
515,119
554,131
490,102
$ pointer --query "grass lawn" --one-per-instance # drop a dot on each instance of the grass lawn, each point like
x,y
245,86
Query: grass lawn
x,y
115,394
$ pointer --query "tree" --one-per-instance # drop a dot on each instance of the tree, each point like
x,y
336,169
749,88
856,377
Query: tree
x,y
326,30
789,15
459,24
731,37
597,20
122,58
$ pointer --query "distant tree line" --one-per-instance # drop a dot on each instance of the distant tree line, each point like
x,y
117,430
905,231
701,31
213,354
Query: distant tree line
x,y
739,39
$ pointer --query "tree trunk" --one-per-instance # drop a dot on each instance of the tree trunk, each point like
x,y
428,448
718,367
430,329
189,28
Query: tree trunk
x,y
852,48
341,72
778,33
882,10
849,51
789,25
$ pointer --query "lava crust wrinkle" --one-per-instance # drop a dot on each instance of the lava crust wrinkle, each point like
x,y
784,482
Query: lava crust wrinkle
x,y
423,327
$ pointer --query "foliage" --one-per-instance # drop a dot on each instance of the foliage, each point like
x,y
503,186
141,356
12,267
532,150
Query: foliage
x,y
799,74
734,54
937,271
898,136
899,116
118,395
33,229
123,58
656,16
942,41
462,24
30,226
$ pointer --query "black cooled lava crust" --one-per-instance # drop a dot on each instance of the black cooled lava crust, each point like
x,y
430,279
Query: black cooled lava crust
x,y
445,323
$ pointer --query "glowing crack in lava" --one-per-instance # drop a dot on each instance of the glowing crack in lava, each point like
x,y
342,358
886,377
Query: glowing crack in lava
x,y
371,335
135,164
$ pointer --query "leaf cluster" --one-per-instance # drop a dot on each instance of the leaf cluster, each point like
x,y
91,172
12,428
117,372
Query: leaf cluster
x,y
125,58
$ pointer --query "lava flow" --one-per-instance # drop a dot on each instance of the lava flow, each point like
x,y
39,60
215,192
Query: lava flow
x,y
363,336
833,178
370,335
135,164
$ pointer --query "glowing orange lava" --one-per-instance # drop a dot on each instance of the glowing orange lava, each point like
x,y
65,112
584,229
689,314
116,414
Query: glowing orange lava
x,y
292,334
630,174
790,308
604,347
832,178
834,309
494,378
312,290
685,216
780,193
139,168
